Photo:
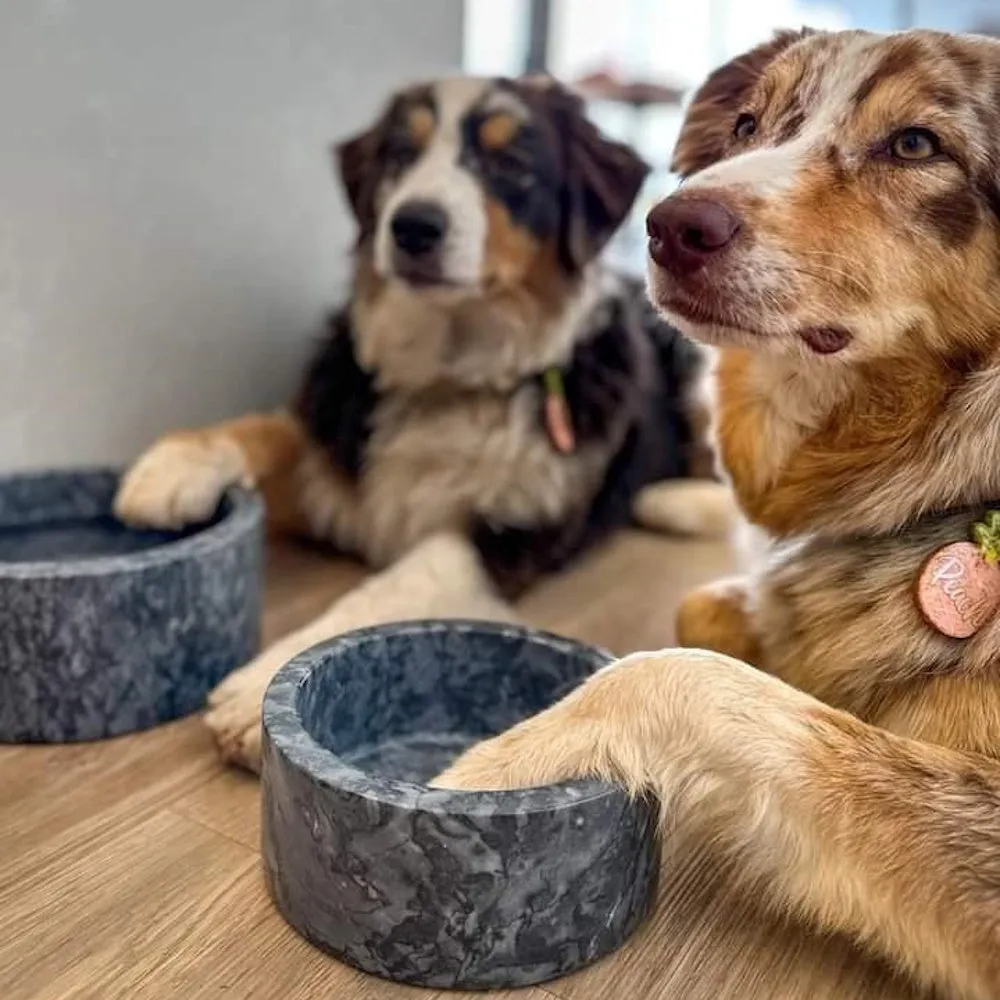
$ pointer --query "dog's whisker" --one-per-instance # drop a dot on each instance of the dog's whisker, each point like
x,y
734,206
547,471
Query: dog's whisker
x,y
822,272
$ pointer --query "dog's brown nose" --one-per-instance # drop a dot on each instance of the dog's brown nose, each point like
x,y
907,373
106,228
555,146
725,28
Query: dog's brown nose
x,y
685,233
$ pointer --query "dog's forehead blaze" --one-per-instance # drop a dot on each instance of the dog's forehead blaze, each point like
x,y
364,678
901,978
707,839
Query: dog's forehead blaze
x,y
428,110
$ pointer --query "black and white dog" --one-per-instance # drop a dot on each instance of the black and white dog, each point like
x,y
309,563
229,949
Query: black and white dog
x,y
488,379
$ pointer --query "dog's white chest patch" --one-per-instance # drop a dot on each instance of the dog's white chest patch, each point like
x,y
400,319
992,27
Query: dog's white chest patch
x,y
437,462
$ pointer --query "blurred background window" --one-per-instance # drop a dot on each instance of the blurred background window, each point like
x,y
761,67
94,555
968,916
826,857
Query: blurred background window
x,y
637,60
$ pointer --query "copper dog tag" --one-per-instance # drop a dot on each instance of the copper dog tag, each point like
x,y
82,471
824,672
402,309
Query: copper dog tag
x,y
559,423
558,420
958,591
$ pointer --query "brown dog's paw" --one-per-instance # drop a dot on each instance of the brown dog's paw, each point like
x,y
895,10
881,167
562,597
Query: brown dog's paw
x,y
552,747
652,720
179,481
489,766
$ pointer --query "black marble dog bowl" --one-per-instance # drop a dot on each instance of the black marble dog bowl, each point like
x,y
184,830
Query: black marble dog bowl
x,y
104,629
430,887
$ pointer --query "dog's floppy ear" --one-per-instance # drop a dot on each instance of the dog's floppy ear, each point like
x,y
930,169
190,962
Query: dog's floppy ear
x,y
715,105
357,161
601,177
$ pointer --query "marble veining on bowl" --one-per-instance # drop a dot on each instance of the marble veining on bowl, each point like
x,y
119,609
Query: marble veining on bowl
x,y
426,886
104,629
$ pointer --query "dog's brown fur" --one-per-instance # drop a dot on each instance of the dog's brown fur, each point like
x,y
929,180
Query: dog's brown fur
x,y
868,800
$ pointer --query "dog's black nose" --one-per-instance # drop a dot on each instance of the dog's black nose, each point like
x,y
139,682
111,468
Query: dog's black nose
x,y
418,227
684,232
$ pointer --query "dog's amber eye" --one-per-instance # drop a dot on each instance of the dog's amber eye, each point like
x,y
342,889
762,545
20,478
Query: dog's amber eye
x,y
745,126
915,144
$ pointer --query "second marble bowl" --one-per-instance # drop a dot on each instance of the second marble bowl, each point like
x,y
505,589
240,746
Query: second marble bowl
x,y
425,886
105,629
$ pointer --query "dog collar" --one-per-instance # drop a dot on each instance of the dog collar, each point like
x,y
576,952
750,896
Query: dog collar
x,y
958,589
558,419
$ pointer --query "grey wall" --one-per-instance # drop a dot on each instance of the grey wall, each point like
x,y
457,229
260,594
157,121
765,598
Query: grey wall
x,y
170,231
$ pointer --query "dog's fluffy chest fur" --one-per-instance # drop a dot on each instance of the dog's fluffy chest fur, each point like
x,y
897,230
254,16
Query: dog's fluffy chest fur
x,y
441,460
391,464
834,600
834,592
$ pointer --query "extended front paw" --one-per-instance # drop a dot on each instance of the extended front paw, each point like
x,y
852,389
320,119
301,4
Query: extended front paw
x,y
582,736
639,722
552,747
179,481
492,765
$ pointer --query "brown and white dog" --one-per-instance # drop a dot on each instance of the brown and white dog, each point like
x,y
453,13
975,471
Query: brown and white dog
x,y
490,395
837,242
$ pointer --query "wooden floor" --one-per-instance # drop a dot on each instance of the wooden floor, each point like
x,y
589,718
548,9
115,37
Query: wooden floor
x,y
129,869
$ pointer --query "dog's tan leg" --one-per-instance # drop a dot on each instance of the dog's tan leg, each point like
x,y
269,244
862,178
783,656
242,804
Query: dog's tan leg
x,y
961,712
182,477
441,577
853,829
715,617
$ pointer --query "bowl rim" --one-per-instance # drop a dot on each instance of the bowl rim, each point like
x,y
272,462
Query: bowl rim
x,y
297,748
245,514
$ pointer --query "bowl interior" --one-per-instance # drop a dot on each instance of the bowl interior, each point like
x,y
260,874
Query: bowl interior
x,y
404,701
67,516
